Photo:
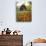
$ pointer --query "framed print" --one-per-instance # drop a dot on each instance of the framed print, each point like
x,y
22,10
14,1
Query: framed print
x,y
24,11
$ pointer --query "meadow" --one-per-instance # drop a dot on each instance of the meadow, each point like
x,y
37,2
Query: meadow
x,y
24,16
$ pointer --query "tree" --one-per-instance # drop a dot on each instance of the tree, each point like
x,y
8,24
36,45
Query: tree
x,y
29,7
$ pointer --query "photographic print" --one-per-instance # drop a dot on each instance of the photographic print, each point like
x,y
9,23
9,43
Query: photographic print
x,y
23,11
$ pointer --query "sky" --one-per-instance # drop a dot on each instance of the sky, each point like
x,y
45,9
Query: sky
x,y
31,30
20,2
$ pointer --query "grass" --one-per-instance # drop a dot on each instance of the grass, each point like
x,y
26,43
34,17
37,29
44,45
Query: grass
x,y
23,16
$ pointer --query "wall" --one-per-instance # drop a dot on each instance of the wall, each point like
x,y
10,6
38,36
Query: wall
x,y
36,28
39,18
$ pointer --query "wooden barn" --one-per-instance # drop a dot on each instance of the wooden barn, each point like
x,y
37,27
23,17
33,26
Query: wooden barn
x,y
22,7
